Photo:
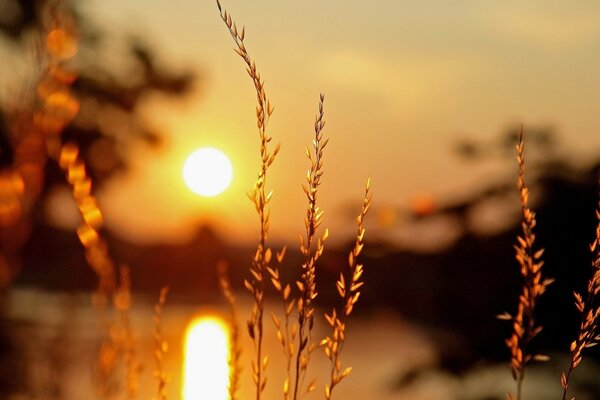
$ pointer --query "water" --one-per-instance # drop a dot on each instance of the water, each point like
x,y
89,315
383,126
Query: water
x,y
57,338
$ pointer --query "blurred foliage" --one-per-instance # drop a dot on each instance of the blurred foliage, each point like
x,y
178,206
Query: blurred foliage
x,y
542,138
114,79
114,76
103,80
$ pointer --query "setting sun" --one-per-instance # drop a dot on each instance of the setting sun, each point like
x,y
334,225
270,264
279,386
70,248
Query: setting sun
x,y
207,172
206,369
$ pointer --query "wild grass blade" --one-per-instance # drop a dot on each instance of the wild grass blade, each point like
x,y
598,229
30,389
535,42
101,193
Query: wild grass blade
x,y
261,199
525,328
589,309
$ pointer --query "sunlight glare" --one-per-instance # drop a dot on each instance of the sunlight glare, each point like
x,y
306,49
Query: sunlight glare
x,y
206,370
207,172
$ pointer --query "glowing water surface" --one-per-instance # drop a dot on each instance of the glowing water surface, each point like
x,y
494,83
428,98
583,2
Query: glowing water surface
x,y
206,371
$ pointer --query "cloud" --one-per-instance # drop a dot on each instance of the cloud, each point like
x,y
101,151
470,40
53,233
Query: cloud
x,y
547,25
410,82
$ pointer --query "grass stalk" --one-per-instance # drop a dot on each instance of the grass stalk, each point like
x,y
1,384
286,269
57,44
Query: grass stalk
x,y
311,253
534,285
286,332
235,347
122,303
349,291
261,199
589,310
160,346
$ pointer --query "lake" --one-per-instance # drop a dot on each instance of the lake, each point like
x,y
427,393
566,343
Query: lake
x,y
56,337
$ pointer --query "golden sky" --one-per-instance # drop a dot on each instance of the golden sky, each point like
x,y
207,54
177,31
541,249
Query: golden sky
x,y
403,81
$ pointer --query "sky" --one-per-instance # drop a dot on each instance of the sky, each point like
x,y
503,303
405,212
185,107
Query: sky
x,y
403,82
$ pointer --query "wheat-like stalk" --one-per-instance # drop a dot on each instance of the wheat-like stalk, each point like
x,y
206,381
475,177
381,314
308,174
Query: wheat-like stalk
x,y
589,309
349,291
118,335
307,285
261,198
122,303
534,285
96,248
97,256
56,107
286,332
235,347
160,346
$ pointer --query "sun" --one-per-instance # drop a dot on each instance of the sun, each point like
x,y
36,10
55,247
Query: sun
x,y
207,172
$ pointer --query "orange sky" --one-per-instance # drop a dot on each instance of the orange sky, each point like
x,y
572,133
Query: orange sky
x,y
403,81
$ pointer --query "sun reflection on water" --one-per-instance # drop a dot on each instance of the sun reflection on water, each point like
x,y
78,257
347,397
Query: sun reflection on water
x,y
206,370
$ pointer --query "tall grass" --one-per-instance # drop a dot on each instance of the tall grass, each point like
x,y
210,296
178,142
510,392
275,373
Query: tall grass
x,y
160,346
589,310
348,287
295,331
312,252
235,347
54,108
525,328
261,199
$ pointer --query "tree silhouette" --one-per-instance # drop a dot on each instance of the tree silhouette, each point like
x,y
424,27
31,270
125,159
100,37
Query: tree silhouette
x,y
109,89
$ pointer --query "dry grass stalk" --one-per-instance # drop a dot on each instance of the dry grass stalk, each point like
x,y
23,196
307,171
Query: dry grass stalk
x,y
286,332
56,109
349,291
261,198
104,370
235,347
57,106
311,252
160,346
96,248
589,332
530,261
119,338
295,338
122,303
